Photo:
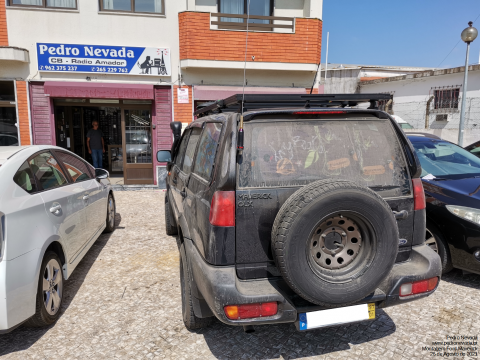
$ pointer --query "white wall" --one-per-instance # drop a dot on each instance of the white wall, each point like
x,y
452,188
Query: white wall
x,y
410,102
289,8
28,26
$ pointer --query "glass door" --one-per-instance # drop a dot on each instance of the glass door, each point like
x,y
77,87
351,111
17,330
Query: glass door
x,y
137,147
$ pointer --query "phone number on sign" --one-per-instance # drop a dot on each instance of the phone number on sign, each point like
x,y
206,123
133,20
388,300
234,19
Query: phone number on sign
x,y
74,68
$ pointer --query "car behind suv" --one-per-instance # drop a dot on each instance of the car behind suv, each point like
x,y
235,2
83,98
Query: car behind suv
x,y
303,210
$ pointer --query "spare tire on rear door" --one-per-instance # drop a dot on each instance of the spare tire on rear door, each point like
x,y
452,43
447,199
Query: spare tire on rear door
x,y
334,242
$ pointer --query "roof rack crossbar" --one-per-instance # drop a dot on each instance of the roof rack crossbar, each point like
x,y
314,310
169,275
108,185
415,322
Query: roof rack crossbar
x,y
265,101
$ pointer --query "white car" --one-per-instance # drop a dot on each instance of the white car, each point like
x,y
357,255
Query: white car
x,y
53,206
403,124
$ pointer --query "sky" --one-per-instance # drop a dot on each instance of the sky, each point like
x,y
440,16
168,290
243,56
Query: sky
x,y
399,32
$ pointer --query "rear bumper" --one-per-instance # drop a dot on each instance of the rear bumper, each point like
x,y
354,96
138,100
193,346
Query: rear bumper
x,y
220,286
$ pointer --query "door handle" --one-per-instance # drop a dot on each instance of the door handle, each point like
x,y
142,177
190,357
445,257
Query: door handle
x,y
184,194
174,180
400,215
56,209
86,197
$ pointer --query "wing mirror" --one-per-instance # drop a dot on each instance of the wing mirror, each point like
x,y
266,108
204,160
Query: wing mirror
x,y
164,156
101,174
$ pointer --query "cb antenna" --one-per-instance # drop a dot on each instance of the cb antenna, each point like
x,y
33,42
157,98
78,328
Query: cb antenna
x,y
240,130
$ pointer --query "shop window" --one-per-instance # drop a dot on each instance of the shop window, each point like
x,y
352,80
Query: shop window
x,y
446,98
137,6
60,4
8,115
239,7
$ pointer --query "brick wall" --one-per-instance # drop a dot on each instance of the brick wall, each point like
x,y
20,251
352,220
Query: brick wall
x,y
183,112
3,24
198,42
22,106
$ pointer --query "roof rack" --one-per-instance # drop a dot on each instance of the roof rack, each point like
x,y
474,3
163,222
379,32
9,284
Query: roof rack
x,y
268,101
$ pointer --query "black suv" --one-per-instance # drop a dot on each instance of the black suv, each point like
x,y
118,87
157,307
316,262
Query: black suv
x,y
305,209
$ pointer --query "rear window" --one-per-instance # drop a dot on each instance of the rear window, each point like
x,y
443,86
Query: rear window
x,y
296,153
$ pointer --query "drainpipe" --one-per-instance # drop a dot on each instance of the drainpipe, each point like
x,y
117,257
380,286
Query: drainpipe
x,y
427,111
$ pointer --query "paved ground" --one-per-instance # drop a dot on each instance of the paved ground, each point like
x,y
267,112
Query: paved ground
x,y
123,301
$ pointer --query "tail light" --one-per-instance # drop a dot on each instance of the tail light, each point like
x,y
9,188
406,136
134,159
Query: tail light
x,y
418,287
418,194
248,311
222,210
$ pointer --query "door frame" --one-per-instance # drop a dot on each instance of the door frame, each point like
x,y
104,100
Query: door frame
x,y
122,107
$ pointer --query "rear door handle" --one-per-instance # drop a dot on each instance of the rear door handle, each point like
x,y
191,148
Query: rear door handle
x,y
400,215
86,197
56,209
183,193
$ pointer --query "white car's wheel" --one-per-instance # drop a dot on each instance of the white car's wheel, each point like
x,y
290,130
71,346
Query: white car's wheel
x,y
50,292
110,221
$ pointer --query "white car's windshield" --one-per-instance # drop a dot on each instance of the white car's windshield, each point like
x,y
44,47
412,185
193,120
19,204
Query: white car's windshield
x,y
445,160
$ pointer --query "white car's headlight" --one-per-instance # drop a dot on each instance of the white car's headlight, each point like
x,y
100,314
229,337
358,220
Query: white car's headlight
x,y
466,213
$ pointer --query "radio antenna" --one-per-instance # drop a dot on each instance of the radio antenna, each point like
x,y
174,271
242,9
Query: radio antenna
x,y
240,130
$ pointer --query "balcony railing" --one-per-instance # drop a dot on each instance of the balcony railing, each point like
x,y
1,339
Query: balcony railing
x,y
223,21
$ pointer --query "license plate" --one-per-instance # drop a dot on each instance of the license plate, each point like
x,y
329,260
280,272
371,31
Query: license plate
x,y
330,317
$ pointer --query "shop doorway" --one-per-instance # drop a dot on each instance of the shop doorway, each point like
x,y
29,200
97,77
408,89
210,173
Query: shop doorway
x,y
127,134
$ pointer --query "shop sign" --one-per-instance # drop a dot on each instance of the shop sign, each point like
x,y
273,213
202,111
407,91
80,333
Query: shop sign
x,y
103,59
182,96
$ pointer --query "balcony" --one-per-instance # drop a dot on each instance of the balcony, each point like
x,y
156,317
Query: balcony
x,y
11,53
256,23
213,40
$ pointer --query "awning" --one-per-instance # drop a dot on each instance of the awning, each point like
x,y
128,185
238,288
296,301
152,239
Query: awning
x,y
98,90
212,93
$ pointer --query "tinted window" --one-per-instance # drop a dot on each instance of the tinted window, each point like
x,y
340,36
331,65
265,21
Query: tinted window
x,y
48,172
207,150
75,167
475,150
406,126
190,152
24,178
183,146
295,153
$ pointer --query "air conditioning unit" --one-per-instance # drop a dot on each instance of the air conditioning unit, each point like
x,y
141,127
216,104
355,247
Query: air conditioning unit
x,y
441,117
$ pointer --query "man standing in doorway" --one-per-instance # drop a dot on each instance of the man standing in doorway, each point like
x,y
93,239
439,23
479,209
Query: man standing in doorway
x,y
95,145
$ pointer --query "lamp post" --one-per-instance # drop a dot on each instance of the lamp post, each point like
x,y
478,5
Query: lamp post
x,y
468,35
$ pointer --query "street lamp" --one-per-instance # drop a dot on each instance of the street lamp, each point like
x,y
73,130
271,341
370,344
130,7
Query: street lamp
x,y
468,35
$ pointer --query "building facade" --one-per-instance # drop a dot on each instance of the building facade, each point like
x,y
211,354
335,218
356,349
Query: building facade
x,y
136,65
430,101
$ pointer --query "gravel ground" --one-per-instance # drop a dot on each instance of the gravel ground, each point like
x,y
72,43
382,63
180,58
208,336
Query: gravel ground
x,y
123,301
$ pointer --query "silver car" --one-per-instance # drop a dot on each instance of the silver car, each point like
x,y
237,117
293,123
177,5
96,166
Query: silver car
x,y
53,206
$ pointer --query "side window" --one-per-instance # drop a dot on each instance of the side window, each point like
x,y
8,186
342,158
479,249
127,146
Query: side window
x,y
75,167
190,153
181,151
47,171
24,178
207,150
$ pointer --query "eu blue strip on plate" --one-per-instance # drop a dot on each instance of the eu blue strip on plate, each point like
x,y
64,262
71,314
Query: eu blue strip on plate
x,y
303,321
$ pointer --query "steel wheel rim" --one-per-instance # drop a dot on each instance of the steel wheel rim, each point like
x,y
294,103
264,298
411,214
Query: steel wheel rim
x,y
111,212
431,241
52,287
336,243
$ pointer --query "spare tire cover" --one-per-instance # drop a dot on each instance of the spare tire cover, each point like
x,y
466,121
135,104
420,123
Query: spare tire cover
x,y
334,242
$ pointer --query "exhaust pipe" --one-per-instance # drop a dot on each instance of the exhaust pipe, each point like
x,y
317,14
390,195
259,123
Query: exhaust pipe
x,y
248,329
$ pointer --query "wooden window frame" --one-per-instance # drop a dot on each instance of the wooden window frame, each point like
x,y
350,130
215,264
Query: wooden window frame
x,y
132,6
43,6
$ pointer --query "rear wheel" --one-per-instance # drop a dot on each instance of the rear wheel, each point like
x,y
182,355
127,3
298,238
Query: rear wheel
x,y
191,321
50,292
334,242
434,239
